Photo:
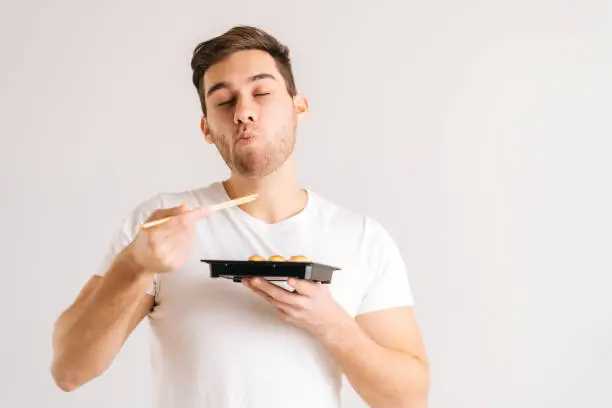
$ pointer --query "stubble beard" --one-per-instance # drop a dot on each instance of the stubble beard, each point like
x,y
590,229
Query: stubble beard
x,y
258,162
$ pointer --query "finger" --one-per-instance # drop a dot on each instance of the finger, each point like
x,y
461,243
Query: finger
x,y
167,230
158,218
170,231
304,287
276,293
286,309
261,293
288,312
187,218
246,282
167,212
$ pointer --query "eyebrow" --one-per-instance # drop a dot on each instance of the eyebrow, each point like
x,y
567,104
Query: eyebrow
x,y
225,85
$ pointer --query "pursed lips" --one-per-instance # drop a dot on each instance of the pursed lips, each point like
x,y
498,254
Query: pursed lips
x,y
245,137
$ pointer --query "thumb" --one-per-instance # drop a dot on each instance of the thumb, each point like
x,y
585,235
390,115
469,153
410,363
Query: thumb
x,y
167,212
181,208
302,286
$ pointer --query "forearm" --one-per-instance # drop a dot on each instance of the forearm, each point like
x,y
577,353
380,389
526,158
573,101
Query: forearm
x,y
88,335
381,376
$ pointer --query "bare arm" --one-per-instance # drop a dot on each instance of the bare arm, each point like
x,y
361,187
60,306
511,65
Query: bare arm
x,y
382,356
381,353
90,333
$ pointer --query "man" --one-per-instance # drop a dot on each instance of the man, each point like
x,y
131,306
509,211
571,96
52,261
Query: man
x,y
223,344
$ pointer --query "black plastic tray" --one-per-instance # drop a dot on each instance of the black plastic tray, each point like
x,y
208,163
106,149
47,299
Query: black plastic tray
x,y
271,270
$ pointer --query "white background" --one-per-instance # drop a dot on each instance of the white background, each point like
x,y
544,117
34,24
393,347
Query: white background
x,y
477,132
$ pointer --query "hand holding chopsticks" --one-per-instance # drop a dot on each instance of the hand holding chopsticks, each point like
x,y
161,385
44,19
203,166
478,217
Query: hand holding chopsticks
x,y
165,249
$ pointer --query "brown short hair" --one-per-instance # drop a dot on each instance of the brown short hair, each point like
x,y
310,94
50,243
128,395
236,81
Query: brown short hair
x,y
239,38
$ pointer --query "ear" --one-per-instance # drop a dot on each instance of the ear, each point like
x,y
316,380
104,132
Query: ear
x,y
205,130
301,106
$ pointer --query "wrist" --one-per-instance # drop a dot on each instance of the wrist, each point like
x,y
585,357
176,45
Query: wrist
x,y
132,266
338,331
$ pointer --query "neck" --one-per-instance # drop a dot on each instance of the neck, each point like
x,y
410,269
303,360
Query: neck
x,y
279,194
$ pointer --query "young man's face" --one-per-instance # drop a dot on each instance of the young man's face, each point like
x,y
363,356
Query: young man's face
x,y
251,117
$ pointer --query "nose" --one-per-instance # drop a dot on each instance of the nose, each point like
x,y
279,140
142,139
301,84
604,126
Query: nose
x,y
245,112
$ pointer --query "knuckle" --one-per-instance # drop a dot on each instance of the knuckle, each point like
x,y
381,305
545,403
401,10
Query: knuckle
x,y
151,239
155,251
303,303
156,245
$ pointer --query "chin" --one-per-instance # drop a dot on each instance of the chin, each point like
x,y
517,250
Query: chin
x,y
254,169
255,172
258,162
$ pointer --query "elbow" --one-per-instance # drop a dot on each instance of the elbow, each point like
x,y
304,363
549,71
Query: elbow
x,y
70,375
72,371
66,386
66,380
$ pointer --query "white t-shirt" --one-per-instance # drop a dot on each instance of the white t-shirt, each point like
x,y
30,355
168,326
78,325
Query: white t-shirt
x,y
217,344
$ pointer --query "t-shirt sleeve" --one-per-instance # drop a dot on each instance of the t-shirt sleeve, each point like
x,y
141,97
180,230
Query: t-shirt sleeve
x,y
122,238
389,286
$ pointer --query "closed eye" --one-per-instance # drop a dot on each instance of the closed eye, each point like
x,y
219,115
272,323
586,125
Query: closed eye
x,y
233,100
228,102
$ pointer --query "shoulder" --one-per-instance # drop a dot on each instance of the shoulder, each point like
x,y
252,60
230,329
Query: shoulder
x,y
371,232
378,273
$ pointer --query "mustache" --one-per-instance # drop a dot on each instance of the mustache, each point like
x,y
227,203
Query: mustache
x,y
239,133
